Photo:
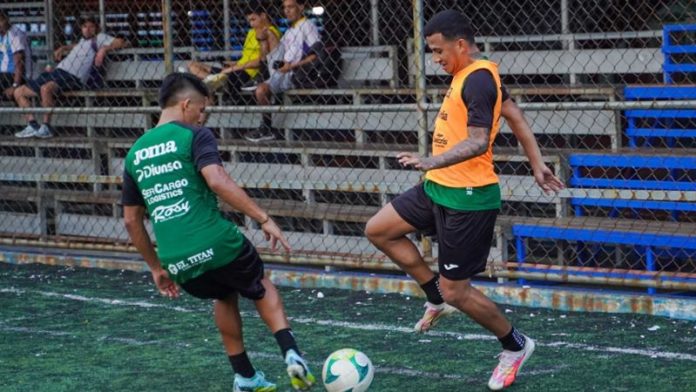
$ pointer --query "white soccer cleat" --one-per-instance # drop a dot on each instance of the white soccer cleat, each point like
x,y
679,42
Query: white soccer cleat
x,y
510,364
433,313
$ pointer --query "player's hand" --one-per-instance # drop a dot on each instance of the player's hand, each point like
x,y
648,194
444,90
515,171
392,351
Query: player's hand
x,y
164,284
99,58
413,159
274,234
546,180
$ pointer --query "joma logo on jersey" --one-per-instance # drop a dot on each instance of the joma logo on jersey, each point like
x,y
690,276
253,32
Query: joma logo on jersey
x,y
165,213
443,115
154,151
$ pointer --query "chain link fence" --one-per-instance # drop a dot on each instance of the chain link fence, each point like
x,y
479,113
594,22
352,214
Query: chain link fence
x,y
606,87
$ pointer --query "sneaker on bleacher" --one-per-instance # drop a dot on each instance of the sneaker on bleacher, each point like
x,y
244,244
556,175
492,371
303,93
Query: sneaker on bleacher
x,y
250,85
215,81
259,135
44,132
27,132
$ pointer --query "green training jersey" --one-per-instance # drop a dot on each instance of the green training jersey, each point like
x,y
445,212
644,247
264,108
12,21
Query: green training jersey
x,y
192,235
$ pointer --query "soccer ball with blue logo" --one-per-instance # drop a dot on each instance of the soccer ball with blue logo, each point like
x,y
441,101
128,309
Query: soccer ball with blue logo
x,y
347,370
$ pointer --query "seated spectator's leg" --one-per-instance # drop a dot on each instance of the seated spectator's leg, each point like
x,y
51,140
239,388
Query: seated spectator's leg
x,y
264,132
199,69
263,94
22,96
48,91
236,80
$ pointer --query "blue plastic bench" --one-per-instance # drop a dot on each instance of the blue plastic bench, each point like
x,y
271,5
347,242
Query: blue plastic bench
x,y
650,243
669,48
681,177
661,121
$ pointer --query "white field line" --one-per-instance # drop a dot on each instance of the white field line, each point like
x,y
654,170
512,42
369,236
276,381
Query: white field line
x,y
373,327
406,372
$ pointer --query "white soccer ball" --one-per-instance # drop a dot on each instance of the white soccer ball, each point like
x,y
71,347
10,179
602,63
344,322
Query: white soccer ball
x,y
347,370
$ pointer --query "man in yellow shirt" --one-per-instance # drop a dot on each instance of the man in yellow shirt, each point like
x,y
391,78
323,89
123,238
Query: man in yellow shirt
x,y
262,38
460,197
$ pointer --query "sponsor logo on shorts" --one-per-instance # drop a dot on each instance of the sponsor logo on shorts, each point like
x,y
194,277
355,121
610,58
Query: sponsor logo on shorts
x,y
172,211
449,267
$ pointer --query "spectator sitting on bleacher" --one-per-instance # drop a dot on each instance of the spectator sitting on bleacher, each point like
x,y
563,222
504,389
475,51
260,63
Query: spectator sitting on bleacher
x,y
262,37
293,52
71,74
15,56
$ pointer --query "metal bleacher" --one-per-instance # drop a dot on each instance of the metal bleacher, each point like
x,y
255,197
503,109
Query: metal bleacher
x,y
322,191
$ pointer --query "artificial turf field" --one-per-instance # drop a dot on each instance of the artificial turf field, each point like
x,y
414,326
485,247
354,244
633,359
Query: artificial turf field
x,y
74,329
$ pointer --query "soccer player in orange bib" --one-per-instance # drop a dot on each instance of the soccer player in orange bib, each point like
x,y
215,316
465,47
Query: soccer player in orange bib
x,y
460,197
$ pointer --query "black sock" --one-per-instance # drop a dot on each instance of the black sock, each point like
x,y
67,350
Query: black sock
x,y
513,341
286,341
241,365
432,291
34,124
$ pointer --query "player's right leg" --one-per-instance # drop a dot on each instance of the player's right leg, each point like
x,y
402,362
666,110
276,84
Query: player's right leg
x,y
229,322
272,312
387,230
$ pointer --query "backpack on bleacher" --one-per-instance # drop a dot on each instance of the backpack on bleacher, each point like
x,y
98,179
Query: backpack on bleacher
x,y
322,72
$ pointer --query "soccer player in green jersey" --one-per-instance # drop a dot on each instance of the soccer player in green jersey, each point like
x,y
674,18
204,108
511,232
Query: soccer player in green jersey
x,y
174,173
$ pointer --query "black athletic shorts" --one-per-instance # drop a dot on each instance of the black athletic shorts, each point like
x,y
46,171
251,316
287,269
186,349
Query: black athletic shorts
x,y
64,79
6,81
464,237
242,275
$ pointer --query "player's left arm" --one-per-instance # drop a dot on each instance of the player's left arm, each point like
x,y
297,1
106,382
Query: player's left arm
x,y
520,128
115,44
19,50
207,160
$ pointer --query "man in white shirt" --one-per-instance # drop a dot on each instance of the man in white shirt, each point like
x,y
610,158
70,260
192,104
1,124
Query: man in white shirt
x,y
292,52
71,74
15,56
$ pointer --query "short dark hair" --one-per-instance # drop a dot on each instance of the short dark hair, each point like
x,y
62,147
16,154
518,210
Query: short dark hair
x,y
452,25
89,19
255,7
300,2
177,82
3,15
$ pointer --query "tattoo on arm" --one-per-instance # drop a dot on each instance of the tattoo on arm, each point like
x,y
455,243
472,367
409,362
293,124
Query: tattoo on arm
x,y
475,145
